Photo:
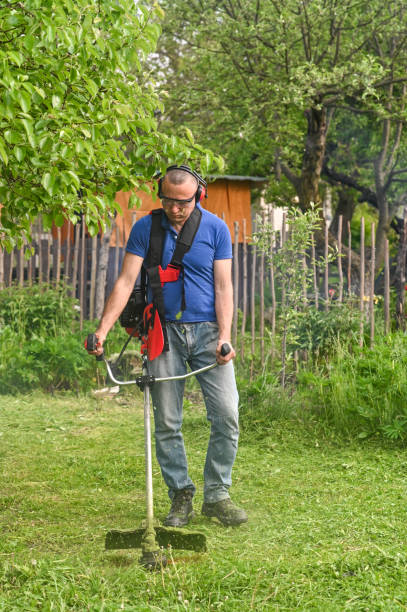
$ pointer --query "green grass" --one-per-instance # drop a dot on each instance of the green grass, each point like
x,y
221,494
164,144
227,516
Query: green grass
x,y
326,524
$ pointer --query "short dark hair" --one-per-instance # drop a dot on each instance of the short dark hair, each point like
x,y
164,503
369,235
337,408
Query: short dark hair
x,y
177,176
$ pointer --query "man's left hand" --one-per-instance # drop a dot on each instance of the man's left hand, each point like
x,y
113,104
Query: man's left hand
x,y
222,359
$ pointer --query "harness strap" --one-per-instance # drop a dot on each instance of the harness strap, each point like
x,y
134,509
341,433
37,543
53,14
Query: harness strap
x,y
156,275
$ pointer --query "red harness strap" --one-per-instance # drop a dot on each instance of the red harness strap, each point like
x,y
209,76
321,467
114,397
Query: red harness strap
x,y
170,274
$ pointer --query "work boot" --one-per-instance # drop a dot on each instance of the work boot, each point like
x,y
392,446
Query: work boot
x,y
226,511
181,509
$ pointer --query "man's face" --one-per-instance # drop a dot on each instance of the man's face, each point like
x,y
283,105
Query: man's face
x,y
178,200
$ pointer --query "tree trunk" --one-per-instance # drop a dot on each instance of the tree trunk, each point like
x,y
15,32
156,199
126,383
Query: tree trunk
x,y
315,144
346,206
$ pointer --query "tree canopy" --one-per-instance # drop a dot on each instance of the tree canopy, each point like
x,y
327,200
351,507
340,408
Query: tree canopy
x,y
273,74
78,110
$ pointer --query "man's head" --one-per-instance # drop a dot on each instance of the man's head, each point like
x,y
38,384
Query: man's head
x,y
177,192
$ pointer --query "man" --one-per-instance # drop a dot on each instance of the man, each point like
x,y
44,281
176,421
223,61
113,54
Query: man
x,y
198,315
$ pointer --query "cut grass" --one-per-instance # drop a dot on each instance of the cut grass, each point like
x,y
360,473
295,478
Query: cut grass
x,y
326,526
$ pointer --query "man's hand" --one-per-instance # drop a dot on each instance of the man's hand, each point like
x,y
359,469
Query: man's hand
x,y
99,346
223,359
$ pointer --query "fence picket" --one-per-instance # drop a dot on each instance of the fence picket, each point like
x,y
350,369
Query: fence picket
x,y
244,304
326,270
371,293
340,271
93,278
362,279
235,281
386,288
1,269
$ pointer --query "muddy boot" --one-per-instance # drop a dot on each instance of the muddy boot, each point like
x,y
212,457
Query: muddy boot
x,y
225,511
181,509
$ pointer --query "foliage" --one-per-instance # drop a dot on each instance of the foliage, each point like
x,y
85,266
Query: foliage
x,y
77,110
36,310
41,345
318,332
44,362
274,75
296,278
363,390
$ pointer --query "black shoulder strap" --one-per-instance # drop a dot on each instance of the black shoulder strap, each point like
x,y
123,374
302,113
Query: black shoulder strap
x,y
156,242
154,255
186,236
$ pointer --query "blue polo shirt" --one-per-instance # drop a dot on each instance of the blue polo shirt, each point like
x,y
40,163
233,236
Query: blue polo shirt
x,y
212,242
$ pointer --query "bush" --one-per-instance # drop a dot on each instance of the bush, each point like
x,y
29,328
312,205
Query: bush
x,y
37,310
41,345
319,331
362,391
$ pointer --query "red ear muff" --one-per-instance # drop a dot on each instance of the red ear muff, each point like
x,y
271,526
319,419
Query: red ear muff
x,y
200,194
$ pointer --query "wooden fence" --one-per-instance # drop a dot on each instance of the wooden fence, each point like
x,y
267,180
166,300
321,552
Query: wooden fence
x,y
89,267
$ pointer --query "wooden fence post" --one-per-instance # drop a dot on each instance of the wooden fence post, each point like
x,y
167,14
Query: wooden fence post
x,y
102,272
116,253
326,271
48,255
371,293
10,272
82,275
261,281
244,312
252,299
67,265
1,268
20,264
235,281
75,259
362,278
57,272
349,260
314,272
386,287
93,278
340,296
273,285
401,275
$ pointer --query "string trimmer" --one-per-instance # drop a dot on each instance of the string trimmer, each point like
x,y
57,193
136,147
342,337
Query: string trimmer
x,y
151,539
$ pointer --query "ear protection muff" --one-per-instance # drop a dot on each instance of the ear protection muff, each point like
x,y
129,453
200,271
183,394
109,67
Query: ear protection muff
x,y
200,193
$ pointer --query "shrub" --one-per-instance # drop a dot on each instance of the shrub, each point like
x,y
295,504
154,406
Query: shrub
x,y
37,310
362,390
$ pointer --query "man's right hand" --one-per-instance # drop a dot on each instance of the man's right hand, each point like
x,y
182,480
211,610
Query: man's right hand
x,y
100,338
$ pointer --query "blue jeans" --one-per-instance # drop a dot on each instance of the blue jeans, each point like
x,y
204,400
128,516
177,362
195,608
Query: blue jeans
x,y
195,344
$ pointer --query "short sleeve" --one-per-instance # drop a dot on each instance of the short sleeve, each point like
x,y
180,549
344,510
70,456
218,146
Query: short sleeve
x,y
137,243
223,248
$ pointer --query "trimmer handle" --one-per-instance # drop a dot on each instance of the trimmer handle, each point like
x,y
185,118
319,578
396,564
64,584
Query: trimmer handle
x,y
225,349
91,344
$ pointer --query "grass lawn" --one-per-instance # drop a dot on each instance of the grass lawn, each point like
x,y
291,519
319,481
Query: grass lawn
x,y
326,531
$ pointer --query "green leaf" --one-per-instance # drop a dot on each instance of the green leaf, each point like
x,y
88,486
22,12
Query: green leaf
x,y
75,179
25,101
47,182
56,101
59,219
3,153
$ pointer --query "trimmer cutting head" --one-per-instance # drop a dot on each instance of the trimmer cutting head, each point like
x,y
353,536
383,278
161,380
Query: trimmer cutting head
x,y
165,537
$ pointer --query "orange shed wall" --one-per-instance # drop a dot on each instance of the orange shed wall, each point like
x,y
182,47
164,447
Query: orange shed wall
x,y
227,199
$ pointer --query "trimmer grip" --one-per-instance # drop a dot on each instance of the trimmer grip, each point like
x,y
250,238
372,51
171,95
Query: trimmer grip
x,y
91,343
225,349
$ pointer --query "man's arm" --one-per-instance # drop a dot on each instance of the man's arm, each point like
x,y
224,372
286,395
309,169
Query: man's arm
x,y
117,300
224,306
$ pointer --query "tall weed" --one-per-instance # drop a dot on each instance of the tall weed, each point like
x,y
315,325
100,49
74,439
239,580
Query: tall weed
x,y
362,391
